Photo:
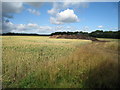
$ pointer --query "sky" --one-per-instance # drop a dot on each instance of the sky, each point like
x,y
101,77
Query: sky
x,y
49,17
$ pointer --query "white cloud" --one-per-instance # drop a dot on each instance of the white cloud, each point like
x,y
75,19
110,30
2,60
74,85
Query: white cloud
x,y
100,26
32,25
33,11
57,6
66,16
53,20
53,11
60,6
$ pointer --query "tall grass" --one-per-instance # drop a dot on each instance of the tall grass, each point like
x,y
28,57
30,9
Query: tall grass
x,y
55,63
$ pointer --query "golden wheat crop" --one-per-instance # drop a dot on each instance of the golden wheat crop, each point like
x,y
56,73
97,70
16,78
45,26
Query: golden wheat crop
x,y
42,62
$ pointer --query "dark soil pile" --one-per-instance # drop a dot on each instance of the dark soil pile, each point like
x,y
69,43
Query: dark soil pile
x,y
74,37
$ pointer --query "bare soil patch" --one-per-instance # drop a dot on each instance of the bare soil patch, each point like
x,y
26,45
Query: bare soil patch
x,y
77,37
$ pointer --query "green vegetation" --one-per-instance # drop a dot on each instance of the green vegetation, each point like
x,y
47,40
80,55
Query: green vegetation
x,y
97,34
42,62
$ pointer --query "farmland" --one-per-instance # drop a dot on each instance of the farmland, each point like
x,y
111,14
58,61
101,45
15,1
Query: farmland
x,y
43,62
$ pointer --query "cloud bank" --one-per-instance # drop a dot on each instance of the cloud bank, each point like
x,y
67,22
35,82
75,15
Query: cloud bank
x,y
34,28
25,28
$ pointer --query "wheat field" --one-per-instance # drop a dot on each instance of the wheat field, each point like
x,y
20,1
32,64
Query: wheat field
x,y
43,62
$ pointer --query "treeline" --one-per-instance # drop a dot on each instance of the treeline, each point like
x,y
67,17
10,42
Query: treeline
x,y
97,34
22,34
105,34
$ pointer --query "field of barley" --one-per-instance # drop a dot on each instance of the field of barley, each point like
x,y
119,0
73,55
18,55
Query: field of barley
x,y
43,62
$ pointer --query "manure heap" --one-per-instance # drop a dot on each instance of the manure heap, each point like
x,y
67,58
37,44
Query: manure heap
x,y
74,37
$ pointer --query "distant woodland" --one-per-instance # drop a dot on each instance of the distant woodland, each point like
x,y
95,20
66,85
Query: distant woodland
x,y
97,34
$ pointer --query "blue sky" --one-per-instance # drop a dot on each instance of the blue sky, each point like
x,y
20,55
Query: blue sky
x,y
50,16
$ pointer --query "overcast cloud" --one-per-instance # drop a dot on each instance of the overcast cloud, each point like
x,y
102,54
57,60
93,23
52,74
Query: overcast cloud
x,y
34,4
8,8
